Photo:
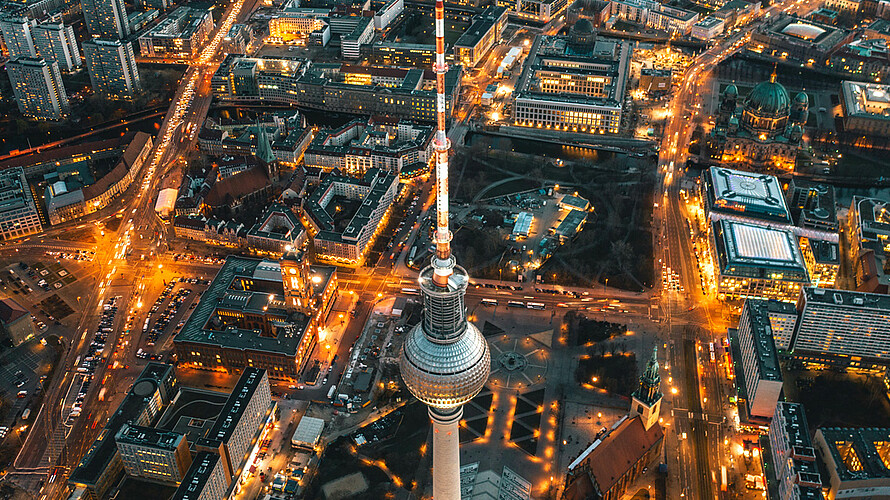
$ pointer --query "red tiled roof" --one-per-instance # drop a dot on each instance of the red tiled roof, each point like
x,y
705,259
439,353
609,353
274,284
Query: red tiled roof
x,y
10,311
617,453
236,186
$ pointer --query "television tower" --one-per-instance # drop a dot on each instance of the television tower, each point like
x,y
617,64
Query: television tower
x,y
445,360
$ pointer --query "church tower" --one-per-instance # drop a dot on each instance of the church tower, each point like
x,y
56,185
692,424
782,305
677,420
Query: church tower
x,y
646,400
297,287
265,154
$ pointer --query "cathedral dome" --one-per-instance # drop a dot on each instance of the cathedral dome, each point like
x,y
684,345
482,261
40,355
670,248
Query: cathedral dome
x,y
768,99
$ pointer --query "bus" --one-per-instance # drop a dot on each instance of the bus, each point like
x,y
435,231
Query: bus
x,y
489,302
535,305
410,291
515,303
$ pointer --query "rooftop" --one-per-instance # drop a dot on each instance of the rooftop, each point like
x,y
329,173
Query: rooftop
x,y
200,471
103,449
10,310
745,194
245,284
371,189
866,100
858,453
846,298
279,223
242,393
802,455
148,436
765,355
15,194
745,245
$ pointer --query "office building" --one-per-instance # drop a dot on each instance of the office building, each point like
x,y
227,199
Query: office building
x,y
857,461
844,327
794,39
102,467
112,68
761,131
56,42
483,34
18,36
707,28
38,89
342,236
241,422
243,319
238,39
181,34
866,107
153,454
106,19
351,43
18,211
823,259
761,375
205,480
737,194
402,148
16,321
287,81
862,60
812,206
536,11
792,454
401,55
867,231
387,13
755,261
574,83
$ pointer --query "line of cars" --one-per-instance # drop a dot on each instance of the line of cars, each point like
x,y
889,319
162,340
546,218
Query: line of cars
x,y
93,356
167,314
84,255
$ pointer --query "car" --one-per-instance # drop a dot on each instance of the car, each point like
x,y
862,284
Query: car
x,y
21,383
22,394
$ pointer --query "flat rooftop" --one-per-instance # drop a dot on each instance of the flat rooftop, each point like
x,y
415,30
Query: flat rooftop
x,y
745,194
745,245
859,453
197,476
236,405
847,298
193,412
866,100
765,355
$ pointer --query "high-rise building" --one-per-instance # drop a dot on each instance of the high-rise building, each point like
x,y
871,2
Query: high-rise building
x,y
18,36
106,18
154,454
842,326
37,85
205,480
445,359
56,42
112,68
18,211
792,454
762,377
646,400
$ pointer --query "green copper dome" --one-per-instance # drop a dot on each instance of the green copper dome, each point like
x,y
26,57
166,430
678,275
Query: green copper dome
x,y
769,99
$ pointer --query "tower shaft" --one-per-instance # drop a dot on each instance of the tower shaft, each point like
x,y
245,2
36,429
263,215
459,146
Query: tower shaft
x,y
446,454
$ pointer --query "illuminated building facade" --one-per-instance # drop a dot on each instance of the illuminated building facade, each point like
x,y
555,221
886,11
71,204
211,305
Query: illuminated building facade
x,y
297,82
864,59
857,460
478,39
106,18
823,261
792,454
289,26
112,68
346,240
181,34
866,107
56,42
868,244
18,36
755,261
542,11
153,454
38,88
842,326
573,83
761,374
402,148
397,54
243,320
763,130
